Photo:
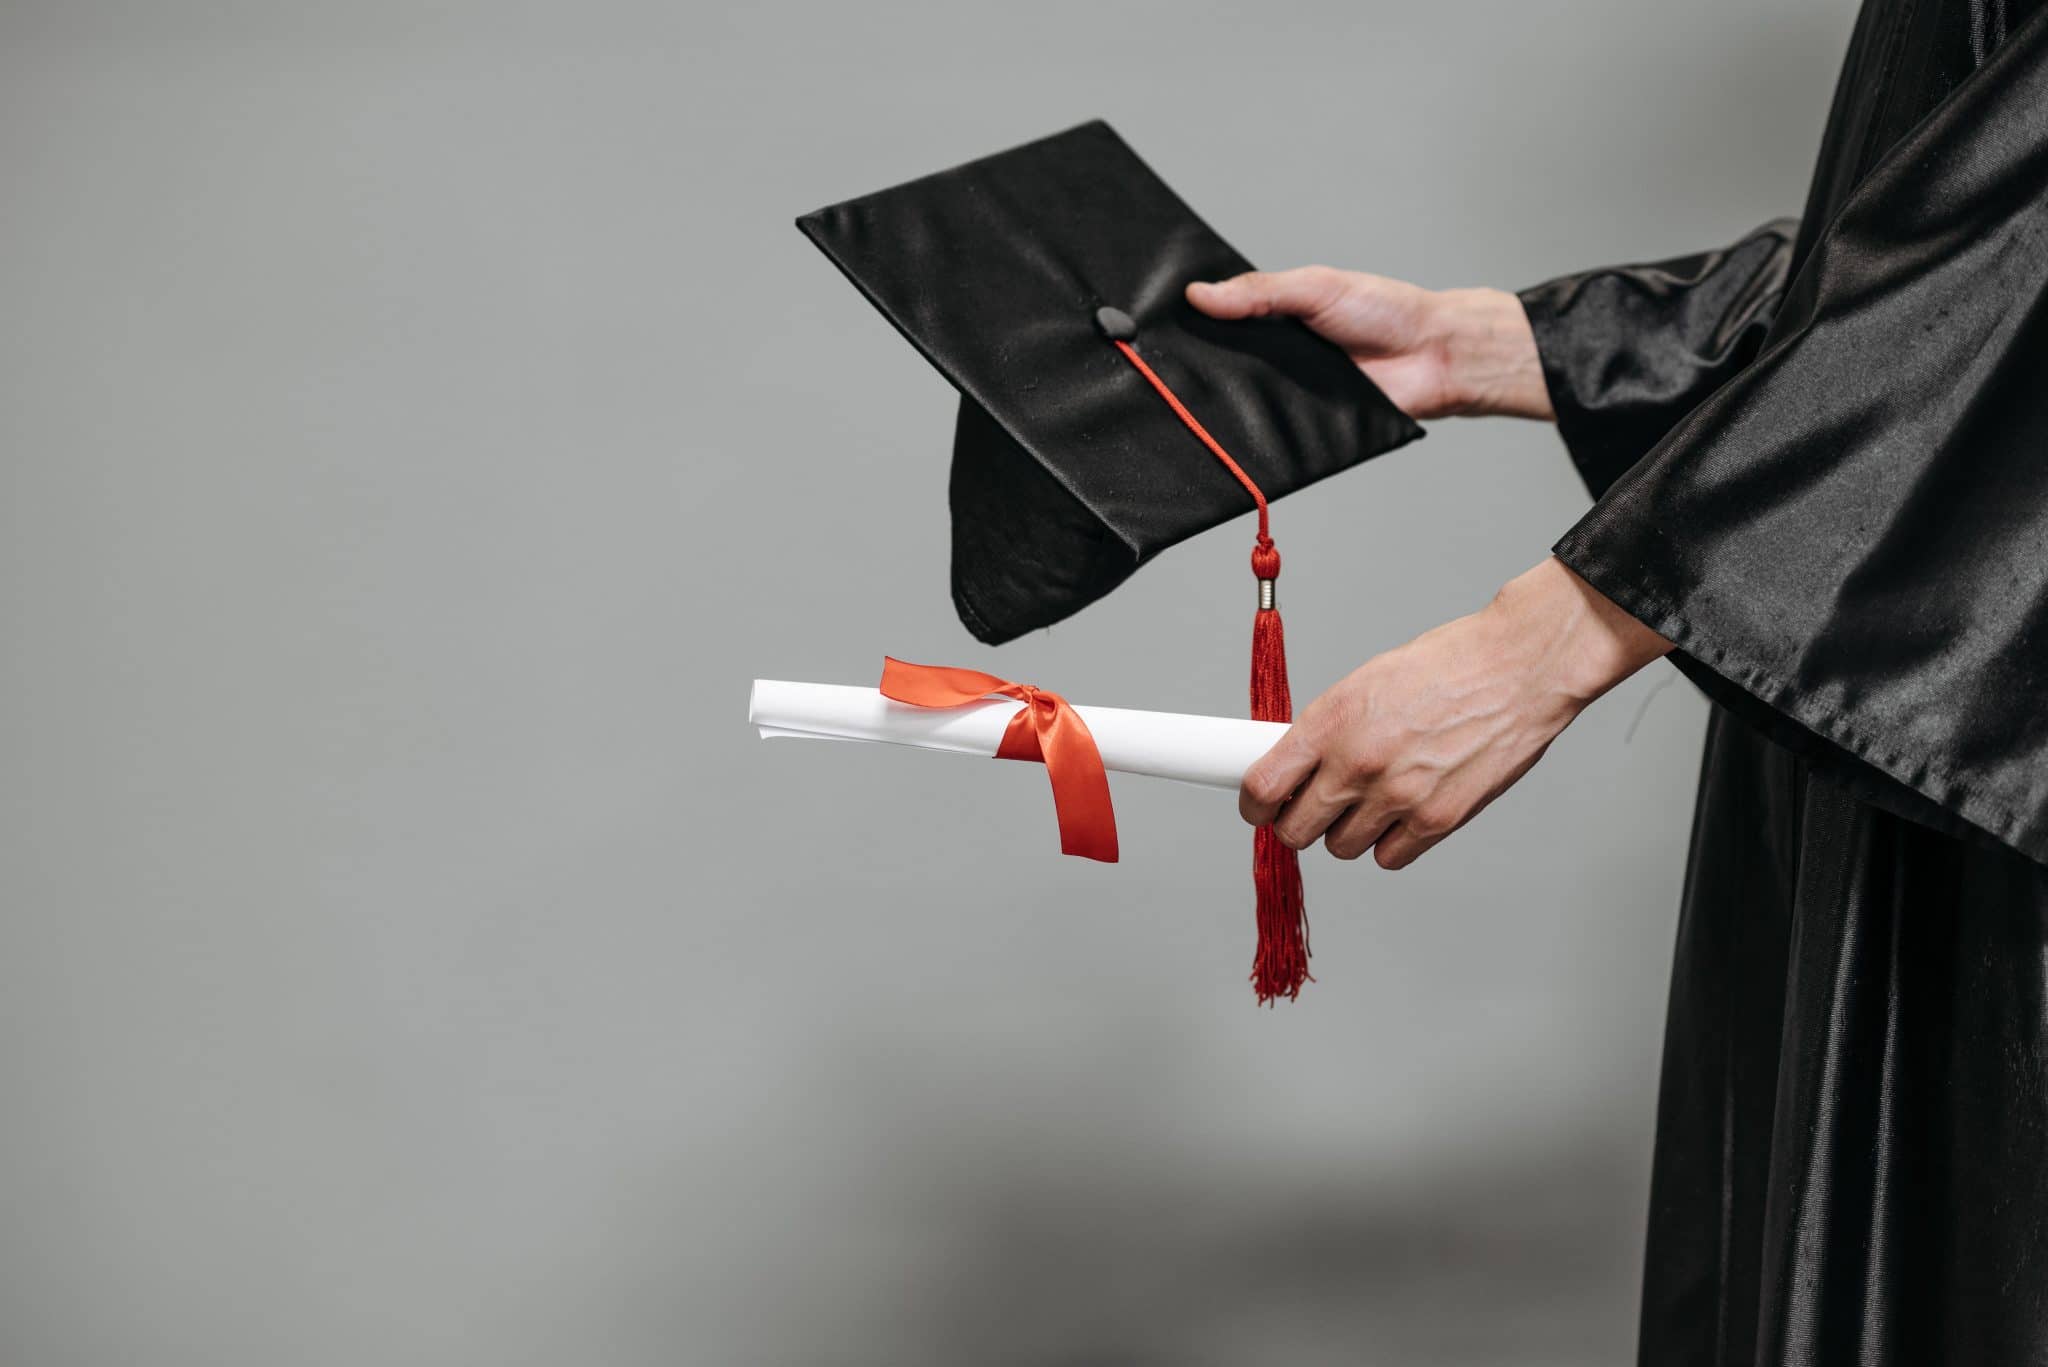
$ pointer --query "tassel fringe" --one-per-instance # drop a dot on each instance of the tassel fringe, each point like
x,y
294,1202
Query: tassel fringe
x,y
1280,964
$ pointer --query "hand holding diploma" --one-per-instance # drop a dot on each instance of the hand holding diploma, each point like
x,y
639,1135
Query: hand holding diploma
x,y
1415,742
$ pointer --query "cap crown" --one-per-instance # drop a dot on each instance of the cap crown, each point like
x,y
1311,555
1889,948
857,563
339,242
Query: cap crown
x,y
1068,470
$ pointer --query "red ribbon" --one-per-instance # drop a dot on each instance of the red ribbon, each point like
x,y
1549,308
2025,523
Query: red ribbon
x,y
1045,729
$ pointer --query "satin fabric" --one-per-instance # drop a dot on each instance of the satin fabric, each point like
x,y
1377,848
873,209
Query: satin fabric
x,y
1068,472
1819,463
1692,323
1892,427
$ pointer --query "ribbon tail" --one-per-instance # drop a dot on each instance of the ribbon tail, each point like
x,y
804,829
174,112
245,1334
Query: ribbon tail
x,y
1080,785
1087,823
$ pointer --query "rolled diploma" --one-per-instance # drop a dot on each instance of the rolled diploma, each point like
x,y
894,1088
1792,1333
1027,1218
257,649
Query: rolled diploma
x,y
1211,751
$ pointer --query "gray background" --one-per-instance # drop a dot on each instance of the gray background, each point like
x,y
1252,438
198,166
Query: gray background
x,y
418,425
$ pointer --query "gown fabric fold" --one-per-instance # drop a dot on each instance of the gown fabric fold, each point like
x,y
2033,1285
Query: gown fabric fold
x,y
1820,460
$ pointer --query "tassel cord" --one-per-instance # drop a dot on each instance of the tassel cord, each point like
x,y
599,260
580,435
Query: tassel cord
x,y
1280,962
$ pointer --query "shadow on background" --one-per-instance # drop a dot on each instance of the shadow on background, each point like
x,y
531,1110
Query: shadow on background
x,y
1516,1262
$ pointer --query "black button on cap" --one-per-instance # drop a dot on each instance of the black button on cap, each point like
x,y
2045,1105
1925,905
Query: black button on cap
x,y
1115,324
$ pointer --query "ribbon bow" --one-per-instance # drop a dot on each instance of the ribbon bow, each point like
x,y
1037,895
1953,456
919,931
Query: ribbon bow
x,y
1046,728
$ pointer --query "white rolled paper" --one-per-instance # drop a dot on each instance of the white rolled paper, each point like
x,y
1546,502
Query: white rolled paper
x,y
1211,751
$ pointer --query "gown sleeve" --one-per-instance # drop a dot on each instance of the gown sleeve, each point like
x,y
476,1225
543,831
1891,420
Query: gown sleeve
x,y
1847,541
1629,350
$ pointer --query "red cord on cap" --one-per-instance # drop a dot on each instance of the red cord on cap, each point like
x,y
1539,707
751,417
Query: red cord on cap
x,y
1280,965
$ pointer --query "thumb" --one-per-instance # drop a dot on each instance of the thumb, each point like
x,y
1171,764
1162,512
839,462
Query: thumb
x,y
1300,293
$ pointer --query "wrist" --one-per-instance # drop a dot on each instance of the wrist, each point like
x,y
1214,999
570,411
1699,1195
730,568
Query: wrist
x,y
1587,643
1491,363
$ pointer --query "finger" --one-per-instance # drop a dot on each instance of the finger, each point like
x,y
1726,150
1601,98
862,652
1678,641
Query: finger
x,y
1402,845
1309,813
1356,831
1276,776
1300,293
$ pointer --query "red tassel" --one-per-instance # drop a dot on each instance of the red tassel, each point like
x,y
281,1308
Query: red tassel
x,y
1280,965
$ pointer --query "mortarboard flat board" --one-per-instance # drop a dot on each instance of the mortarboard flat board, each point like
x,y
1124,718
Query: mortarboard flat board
x,y
1013,275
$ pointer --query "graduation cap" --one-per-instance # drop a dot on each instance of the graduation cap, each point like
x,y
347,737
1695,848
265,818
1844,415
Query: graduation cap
x,y
1102,417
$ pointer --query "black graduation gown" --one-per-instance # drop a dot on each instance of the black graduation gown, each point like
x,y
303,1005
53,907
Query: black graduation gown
x,y
1821,464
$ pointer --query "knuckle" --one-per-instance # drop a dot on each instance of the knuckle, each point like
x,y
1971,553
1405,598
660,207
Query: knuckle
x,y
1322,284
1264,787
1425,825
1390,855
1295,830
1434,820
1366,763
1408,793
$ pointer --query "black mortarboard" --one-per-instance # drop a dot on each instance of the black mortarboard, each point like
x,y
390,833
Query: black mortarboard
x,y
1069,471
